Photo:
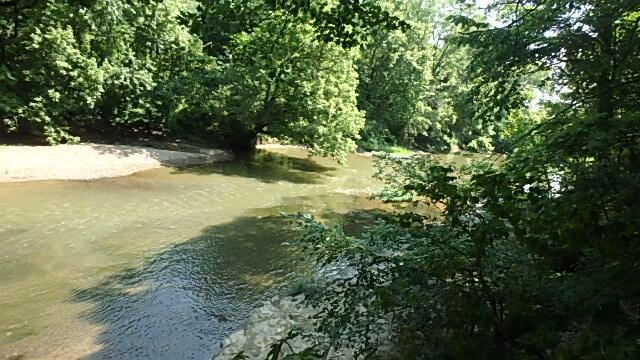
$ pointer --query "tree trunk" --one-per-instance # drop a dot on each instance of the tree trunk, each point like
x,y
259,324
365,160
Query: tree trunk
x,y
240,139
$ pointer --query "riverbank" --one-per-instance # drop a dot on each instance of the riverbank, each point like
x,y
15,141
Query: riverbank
x,y
94,161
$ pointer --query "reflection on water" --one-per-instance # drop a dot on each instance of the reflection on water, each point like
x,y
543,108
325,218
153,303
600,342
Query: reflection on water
x,y
162,264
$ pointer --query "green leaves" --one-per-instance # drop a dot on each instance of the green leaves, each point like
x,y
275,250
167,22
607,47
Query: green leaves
x,y
533,256
94,65
344,22
417,88
282,82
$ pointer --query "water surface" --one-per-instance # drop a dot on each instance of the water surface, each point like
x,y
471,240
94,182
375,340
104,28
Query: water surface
x,y
159,265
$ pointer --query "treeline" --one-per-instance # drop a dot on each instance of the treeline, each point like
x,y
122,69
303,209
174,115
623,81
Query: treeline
x,y
230,71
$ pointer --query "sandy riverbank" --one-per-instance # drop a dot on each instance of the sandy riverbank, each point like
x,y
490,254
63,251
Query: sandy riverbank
x,y
93,161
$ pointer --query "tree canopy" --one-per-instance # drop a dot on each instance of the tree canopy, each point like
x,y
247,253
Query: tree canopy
x,y
229,72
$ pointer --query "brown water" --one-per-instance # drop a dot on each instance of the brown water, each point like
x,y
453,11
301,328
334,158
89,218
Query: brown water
x,y
162,264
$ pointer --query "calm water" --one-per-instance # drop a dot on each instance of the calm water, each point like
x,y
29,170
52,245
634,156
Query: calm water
x,y
162,264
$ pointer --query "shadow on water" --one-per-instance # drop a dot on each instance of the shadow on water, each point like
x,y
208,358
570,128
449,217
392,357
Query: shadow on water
x,y
267,167
182,302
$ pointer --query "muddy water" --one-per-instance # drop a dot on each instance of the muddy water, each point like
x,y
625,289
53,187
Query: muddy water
x,y
162,264
158,265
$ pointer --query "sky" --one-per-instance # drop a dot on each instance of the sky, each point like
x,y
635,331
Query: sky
x,y
483,3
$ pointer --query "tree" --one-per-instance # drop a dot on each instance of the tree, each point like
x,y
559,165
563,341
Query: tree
x,y
69,65
534,256
282,82
410,78
420,89
184,68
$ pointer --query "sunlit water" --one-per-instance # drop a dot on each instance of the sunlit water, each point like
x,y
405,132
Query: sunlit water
x,y
162,264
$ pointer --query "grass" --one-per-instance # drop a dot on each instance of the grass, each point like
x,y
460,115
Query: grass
x,y
390,149
397,150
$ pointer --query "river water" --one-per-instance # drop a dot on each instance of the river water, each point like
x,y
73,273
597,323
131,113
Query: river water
x,y
161,264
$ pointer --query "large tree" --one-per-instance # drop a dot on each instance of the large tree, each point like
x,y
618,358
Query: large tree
x,y
283,82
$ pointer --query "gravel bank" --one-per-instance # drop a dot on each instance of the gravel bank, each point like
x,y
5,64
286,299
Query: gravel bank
x,y
93,161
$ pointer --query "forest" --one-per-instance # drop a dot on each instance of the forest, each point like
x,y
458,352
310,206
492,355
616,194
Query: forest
x,y
324,75
535,253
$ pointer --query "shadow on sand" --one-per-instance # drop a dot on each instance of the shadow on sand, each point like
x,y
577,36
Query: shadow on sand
x,y
267,167
167,157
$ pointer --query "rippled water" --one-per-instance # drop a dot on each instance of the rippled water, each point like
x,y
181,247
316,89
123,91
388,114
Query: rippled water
x,y
162,264
159,265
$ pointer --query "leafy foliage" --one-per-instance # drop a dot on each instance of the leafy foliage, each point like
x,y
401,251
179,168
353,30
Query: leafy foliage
x,y
533,256
231,71
71,64
399,88
223,70
280,81
420,89
344,22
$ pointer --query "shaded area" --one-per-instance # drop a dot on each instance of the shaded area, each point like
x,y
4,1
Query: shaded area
x,y
164,153
268,167
182,302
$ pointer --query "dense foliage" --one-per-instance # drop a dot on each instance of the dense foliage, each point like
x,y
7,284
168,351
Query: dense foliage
x,y
224,71
227,72
67,65
410,79
533,256
279,80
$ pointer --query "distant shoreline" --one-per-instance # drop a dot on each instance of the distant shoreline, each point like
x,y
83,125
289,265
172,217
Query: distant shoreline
x,y
93,161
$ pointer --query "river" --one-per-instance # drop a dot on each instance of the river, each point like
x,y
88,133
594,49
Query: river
x,y
162,264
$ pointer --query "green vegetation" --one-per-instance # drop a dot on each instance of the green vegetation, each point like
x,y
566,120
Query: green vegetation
x,y
410,79
533,256
281,82
221,71
325,74
67,66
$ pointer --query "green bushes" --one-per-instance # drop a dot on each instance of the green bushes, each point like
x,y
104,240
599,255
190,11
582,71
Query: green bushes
x,y
534,256
71,67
